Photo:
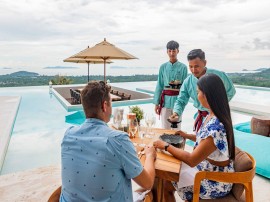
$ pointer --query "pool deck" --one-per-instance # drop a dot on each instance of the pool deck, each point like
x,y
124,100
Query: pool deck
x,y
249,108
9,106
31,185
62,93
243,107
39,183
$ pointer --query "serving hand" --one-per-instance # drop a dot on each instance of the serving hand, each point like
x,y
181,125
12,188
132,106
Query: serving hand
x,y
159,144
181,133
157,109
174,117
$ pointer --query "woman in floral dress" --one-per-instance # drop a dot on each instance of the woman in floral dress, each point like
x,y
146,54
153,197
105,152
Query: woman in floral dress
x,y
214,148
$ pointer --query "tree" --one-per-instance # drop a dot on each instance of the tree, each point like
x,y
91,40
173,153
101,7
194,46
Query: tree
x,y
61,80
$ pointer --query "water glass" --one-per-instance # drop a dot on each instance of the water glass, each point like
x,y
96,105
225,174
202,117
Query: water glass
x,y
141,136
150,120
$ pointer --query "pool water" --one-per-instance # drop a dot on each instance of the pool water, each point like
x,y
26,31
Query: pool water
x,y
42,121
253,95
38,129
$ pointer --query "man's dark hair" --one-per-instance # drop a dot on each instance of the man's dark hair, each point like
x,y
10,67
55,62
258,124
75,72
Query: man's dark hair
x,y
172,45
213,88
93,95
196,53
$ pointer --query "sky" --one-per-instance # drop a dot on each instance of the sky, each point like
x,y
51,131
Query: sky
x,y
37,35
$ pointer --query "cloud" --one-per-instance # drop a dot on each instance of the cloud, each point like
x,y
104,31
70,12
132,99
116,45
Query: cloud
x,y
124,67
118,67
60,67
6,68
49,31
159,48
246,47
259,44
214,3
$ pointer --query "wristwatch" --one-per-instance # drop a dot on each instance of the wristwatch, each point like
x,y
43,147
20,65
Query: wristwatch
x,y
166,146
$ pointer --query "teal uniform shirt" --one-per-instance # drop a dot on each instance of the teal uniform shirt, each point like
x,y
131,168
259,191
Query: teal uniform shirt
x,y
167,73
189,90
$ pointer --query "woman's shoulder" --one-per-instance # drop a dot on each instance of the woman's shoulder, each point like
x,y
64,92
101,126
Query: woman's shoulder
x,y
215,124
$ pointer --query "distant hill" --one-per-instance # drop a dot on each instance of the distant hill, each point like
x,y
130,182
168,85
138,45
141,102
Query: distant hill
x,y
261,69
24,78
260,78
60,67
23,73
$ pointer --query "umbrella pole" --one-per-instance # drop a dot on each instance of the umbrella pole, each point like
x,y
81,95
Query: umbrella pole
x,y
88,71
105,70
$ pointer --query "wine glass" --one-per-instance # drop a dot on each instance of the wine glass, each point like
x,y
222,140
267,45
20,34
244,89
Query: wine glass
x,y
150,120
118,117
133,127
142,135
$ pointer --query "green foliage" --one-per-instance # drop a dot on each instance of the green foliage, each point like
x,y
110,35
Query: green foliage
x,y
31,79
261,79
61,80
138,111
9,80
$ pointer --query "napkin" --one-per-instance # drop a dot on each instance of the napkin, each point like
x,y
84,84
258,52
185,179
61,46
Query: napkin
x,y
186,176
139,196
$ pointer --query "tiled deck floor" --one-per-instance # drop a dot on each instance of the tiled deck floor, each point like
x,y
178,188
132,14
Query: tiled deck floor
x,y
8,110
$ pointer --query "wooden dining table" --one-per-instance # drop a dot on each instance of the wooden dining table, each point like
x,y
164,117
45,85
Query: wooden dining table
x,y
167,167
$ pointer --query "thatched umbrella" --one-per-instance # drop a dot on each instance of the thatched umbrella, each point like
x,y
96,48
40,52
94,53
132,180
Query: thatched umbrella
x,y
88,61
104,50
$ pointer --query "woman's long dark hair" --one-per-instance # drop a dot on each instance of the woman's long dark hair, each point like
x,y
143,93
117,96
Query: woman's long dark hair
x,y
213,88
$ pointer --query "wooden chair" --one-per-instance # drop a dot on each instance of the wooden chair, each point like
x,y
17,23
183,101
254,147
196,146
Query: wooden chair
x,y
72,95
242,178
126,97
115,92
148,197
56,195
121,94
77,97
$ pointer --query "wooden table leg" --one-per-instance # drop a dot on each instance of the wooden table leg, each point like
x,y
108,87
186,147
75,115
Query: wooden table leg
x,y
159,190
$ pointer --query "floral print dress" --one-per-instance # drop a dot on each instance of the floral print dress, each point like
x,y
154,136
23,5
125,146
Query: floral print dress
x,y
211,189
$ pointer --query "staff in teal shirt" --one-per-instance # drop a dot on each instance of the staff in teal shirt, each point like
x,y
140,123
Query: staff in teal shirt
x,y
197,66
172,70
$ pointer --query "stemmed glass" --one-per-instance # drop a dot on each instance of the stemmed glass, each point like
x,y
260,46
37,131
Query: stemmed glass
x,y
133,127
150,120
118,117
141,135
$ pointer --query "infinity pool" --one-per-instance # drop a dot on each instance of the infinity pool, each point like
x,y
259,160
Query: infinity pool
x,y
40,123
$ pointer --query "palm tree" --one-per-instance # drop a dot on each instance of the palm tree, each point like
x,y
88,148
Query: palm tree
x,y
61,80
